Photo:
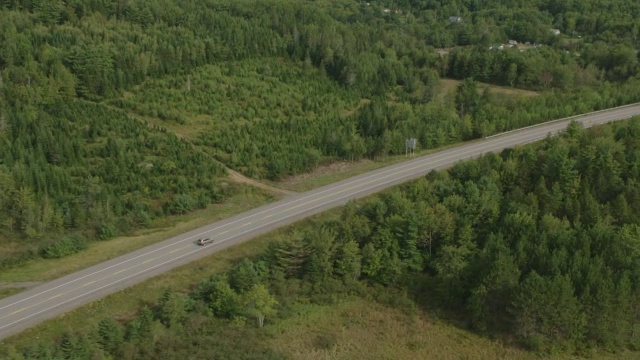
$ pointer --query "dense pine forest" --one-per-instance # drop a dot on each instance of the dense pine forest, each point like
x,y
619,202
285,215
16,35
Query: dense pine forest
x,y
115,113
89,89
537,245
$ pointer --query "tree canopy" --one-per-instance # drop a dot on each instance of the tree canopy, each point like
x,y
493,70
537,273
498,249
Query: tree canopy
x,y
505,245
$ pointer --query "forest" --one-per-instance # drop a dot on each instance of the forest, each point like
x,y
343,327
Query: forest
x,y
117,113
89,89
537,245
84,166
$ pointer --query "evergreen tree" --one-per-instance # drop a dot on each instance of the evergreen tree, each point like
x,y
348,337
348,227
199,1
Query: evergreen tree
x,y
110,336
546,312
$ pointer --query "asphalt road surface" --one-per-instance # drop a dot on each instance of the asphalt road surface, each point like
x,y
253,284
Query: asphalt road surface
x,y
48,300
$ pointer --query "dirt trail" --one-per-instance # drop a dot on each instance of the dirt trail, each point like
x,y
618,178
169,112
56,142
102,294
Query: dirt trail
x,y
236,176
233,175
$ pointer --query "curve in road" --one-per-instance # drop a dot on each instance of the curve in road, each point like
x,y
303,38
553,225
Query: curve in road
x,y
48,300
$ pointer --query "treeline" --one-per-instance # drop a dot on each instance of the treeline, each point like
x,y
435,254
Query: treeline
x,y
544,67
83,168
540,242
110,46
597,20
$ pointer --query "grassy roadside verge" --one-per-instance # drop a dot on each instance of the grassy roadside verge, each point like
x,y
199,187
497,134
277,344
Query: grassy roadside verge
x,y
48,269
6,292
327,174
127,302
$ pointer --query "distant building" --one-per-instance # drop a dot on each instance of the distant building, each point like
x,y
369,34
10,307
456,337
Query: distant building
x,y
455,19
555,32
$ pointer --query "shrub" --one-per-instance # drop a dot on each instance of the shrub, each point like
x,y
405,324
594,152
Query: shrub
x,y
182,204
107,231
66,246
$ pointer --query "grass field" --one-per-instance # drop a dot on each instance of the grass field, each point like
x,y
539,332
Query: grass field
x,y
448,85
363,329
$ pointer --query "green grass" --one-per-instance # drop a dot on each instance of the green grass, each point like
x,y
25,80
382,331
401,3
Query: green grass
x,y
48,269
364,329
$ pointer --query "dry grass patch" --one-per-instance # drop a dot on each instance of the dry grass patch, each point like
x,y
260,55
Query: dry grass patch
x,y
448,85
6,292
189,131
340,170
362,329
443,51
237,177
349,112
327,174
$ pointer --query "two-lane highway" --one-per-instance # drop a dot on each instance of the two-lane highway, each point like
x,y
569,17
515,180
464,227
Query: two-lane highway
x,y
56,297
